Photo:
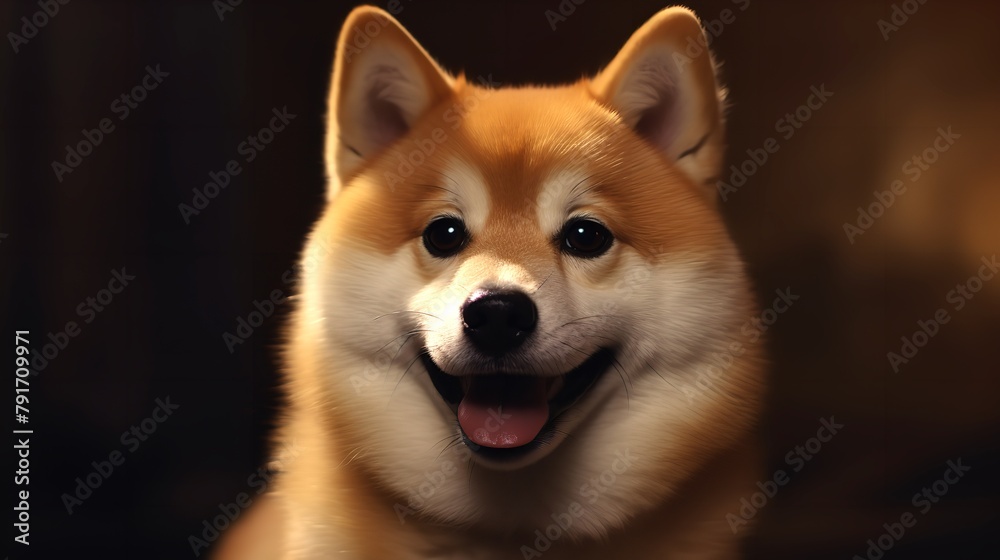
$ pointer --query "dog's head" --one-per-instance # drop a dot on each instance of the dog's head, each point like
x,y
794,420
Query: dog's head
x,y
530,281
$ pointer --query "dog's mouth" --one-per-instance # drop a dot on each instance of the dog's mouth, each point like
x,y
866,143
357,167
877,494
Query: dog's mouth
x,y
504,416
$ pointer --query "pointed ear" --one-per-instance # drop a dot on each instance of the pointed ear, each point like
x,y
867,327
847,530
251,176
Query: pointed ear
x,y
662,83
383,82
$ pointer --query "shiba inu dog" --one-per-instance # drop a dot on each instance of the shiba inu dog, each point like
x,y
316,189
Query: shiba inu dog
x,y
518,334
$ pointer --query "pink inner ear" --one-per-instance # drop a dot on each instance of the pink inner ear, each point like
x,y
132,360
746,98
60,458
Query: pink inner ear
x,y
651,93
658,123
383,118
384,122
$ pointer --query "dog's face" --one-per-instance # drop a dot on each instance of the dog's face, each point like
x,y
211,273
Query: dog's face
x,y
514,291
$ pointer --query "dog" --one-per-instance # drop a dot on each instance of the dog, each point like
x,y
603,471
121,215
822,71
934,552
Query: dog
x,y
518,332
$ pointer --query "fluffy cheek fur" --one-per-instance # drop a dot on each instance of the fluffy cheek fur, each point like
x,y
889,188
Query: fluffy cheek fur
x,y
386,408
640,411
658,411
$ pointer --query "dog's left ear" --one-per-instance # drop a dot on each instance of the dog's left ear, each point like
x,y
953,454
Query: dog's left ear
x,y
663,85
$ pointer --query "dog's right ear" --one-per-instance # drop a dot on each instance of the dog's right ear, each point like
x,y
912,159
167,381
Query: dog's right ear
x,y
668,94
383,82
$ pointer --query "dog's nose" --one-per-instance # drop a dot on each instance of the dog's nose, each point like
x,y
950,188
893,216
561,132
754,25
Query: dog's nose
x,y
498,321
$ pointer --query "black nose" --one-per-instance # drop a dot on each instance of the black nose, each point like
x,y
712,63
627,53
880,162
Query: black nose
x,y
497,321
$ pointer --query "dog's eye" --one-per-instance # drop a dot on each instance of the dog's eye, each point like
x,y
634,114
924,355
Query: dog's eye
x,y
586,238
445,237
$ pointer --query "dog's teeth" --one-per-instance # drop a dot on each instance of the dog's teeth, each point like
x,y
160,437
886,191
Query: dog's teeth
x,y
555,386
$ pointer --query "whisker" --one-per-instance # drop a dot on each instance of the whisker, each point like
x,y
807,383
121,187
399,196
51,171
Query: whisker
x,y
414,331
405,371
442,440
543,282
463,288
571,347
566,435
396,355
407,311
658,374
621,373
472,466
456,441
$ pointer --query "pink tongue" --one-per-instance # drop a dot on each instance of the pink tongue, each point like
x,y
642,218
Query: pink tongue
x,y
504,411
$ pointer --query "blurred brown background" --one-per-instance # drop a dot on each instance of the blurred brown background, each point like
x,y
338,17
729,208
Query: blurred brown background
x,y
938,69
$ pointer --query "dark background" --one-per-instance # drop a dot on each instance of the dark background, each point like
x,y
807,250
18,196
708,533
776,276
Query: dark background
x,y
162,336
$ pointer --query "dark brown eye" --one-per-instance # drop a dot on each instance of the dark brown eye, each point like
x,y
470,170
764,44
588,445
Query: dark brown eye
x,y
586,238
445,237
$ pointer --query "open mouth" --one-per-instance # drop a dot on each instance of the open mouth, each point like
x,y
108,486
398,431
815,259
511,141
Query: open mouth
x,y
505,416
